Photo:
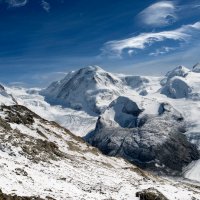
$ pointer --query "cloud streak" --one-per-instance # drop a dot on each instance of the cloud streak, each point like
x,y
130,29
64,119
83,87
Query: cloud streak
x,y
144,40
17,3
159,14
45,5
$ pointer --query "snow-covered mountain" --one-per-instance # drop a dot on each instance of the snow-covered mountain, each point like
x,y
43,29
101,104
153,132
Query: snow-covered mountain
x,y
182,83
41,160
145,92
90,89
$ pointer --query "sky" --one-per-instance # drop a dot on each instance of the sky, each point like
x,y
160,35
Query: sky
x,y
42,40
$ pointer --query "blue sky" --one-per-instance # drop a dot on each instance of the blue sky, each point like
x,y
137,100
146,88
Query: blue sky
x,y
41,40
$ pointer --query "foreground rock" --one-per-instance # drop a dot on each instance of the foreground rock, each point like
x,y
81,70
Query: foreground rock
x,y
154,142
150,194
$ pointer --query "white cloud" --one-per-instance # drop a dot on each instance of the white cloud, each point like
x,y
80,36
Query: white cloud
x,y
143,40
17,3
130,52
196,6
159,14
45,5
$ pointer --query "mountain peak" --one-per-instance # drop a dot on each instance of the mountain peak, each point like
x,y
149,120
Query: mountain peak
x,y
93,68
91,71
84,89
178,71
196,68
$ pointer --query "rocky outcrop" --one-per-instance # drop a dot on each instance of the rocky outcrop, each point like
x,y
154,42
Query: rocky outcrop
x,y
180,71
176,88
150,194
155,142
196,68
2,88
137,83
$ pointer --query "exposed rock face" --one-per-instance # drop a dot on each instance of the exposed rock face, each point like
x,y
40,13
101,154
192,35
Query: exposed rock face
x,y
178,71
155,142
137,83
150,194
2,88
196,68
176,88
126,112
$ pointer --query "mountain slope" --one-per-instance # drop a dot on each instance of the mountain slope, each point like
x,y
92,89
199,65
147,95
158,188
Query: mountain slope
x,y
6,98
40,158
